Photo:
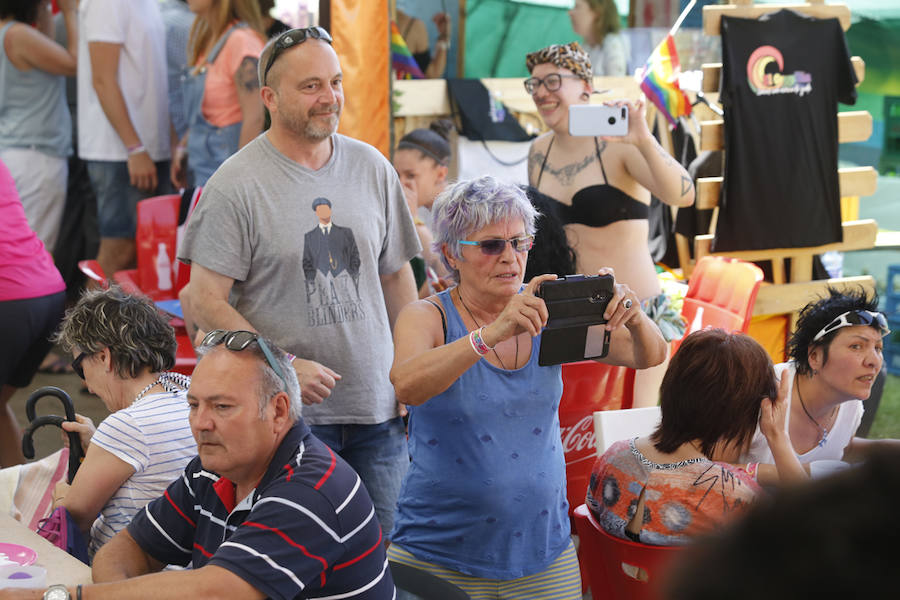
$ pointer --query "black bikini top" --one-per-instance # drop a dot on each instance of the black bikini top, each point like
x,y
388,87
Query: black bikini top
x,y
597,205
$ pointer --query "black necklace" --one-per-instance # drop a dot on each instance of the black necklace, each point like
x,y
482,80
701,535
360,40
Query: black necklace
x,y
477,324
822,430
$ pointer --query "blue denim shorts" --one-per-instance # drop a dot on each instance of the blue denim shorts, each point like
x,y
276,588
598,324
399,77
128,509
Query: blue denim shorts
x,y
117,199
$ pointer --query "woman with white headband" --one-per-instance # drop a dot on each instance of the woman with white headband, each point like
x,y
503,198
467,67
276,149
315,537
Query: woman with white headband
x,y
835,356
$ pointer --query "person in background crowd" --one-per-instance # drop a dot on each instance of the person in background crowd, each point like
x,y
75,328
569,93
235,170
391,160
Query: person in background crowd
x,y
177,18
32,298
415,34
422,158
677,483
835,355
123,116
483,504
551,252
602,187
273,26
221,90
246,242
35,125
597,22
123,347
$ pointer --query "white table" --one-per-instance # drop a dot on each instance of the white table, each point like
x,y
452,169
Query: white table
x,y
61,566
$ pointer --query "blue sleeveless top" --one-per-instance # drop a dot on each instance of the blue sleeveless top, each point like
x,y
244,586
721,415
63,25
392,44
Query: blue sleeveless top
x,y
33,109
485,493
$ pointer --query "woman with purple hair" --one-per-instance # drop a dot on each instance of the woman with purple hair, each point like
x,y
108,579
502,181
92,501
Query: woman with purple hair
x,y
484,500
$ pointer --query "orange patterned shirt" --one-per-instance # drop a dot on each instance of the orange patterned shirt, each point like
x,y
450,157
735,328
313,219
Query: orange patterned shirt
x,y
682,500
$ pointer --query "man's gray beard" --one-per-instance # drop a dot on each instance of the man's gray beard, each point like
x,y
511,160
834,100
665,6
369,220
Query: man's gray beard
x,y
307,129
314,132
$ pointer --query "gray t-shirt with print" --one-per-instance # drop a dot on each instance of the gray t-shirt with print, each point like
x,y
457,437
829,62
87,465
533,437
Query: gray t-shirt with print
x,y
308,283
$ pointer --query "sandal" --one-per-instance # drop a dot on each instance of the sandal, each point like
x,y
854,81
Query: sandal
x,y
55,365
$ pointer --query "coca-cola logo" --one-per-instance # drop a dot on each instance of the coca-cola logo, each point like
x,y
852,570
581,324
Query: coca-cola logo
x,y
578,438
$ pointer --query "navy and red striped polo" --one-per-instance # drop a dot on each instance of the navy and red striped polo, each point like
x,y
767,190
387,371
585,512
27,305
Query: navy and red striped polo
x,y
308,530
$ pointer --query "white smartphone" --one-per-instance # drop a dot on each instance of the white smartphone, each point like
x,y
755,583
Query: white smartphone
x,y
598,120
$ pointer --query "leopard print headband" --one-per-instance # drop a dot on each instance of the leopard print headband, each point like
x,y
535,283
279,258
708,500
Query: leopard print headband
x,y
567,56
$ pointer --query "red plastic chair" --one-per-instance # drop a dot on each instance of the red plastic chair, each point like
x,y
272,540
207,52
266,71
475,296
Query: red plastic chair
x,y
617,568
588,386
157,227
721,293
158,274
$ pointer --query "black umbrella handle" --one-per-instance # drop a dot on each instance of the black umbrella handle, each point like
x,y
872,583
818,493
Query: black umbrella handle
x,y
50,390
76,454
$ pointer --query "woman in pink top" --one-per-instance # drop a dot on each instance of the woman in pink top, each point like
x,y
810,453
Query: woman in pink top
x,y
32,298
221,87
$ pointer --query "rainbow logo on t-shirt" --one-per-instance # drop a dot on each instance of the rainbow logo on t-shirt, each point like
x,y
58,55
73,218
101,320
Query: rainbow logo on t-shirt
x,y
765,76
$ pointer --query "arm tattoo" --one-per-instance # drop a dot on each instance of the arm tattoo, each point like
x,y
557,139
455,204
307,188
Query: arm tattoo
x,y
686,185
246,76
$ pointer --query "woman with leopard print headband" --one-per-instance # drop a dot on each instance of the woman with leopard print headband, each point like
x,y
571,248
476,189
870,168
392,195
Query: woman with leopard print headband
x,y
602,187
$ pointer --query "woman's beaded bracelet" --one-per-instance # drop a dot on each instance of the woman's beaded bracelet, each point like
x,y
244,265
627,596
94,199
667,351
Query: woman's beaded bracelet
x,y
478,344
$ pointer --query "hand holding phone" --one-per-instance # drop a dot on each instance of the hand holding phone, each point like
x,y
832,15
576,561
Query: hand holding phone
x,y
598,120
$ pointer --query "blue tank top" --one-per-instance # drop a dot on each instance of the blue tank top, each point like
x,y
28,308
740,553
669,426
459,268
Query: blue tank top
x,y
485,493
33,109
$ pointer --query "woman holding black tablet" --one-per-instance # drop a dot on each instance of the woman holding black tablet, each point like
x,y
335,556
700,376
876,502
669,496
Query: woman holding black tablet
x,y
484,500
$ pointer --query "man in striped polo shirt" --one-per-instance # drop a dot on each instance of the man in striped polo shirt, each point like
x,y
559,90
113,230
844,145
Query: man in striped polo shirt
x,y
265,510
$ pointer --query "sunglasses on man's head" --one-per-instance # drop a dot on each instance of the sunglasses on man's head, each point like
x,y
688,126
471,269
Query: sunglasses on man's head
x,y
239,340
855,317
292,38
494,247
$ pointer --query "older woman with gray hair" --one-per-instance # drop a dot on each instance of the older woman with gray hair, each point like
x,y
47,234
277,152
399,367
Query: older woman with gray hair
x,y
123,348
484,500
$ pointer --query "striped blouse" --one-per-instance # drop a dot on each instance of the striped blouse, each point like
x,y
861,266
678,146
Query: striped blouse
x,y
153,436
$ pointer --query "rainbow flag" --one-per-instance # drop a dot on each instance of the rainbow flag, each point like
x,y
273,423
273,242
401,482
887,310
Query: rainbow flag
x,y
402,60
659,81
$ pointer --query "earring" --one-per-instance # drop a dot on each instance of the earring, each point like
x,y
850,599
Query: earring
x,y
585,96
815,372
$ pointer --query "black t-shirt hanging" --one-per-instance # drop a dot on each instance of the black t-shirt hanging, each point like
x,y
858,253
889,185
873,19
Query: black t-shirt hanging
x,y
782,77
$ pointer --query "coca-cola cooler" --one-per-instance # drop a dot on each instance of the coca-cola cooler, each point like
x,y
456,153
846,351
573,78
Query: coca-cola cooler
x,y
588,386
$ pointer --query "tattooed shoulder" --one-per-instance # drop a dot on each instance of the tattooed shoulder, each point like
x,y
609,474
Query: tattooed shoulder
x,y
246,76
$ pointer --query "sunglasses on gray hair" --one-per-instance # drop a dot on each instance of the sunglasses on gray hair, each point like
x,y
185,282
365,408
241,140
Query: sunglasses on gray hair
x,y
239,340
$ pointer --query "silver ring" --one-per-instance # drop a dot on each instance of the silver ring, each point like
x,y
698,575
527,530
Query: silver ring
x,y
627,304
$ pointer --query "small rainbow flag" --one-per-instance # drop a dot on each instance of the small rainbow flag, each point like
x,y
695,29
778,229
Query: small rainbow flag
x,y
402,60
659,81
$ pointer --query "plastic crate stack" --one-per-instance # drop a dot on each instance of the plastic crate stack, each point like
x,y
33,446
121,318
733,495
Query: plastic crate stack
x,y
892,310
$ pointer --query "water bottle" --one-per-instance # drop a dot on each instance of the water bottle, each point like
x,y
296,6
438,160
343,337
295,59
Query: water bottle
x,y
163,269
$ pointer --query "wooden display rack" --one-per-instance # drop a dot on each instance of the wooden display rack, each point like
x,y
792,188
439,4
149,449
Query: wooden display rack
x,y
790,291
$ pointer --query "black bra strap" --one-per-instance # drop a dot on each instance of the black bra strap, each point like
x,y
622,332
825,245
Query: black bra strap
x,y
443,319
597,146
544,164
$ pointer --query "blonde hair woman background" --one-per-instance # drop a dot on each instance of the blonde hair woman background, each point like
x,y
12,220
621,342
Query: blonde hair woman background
x,y
221,87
